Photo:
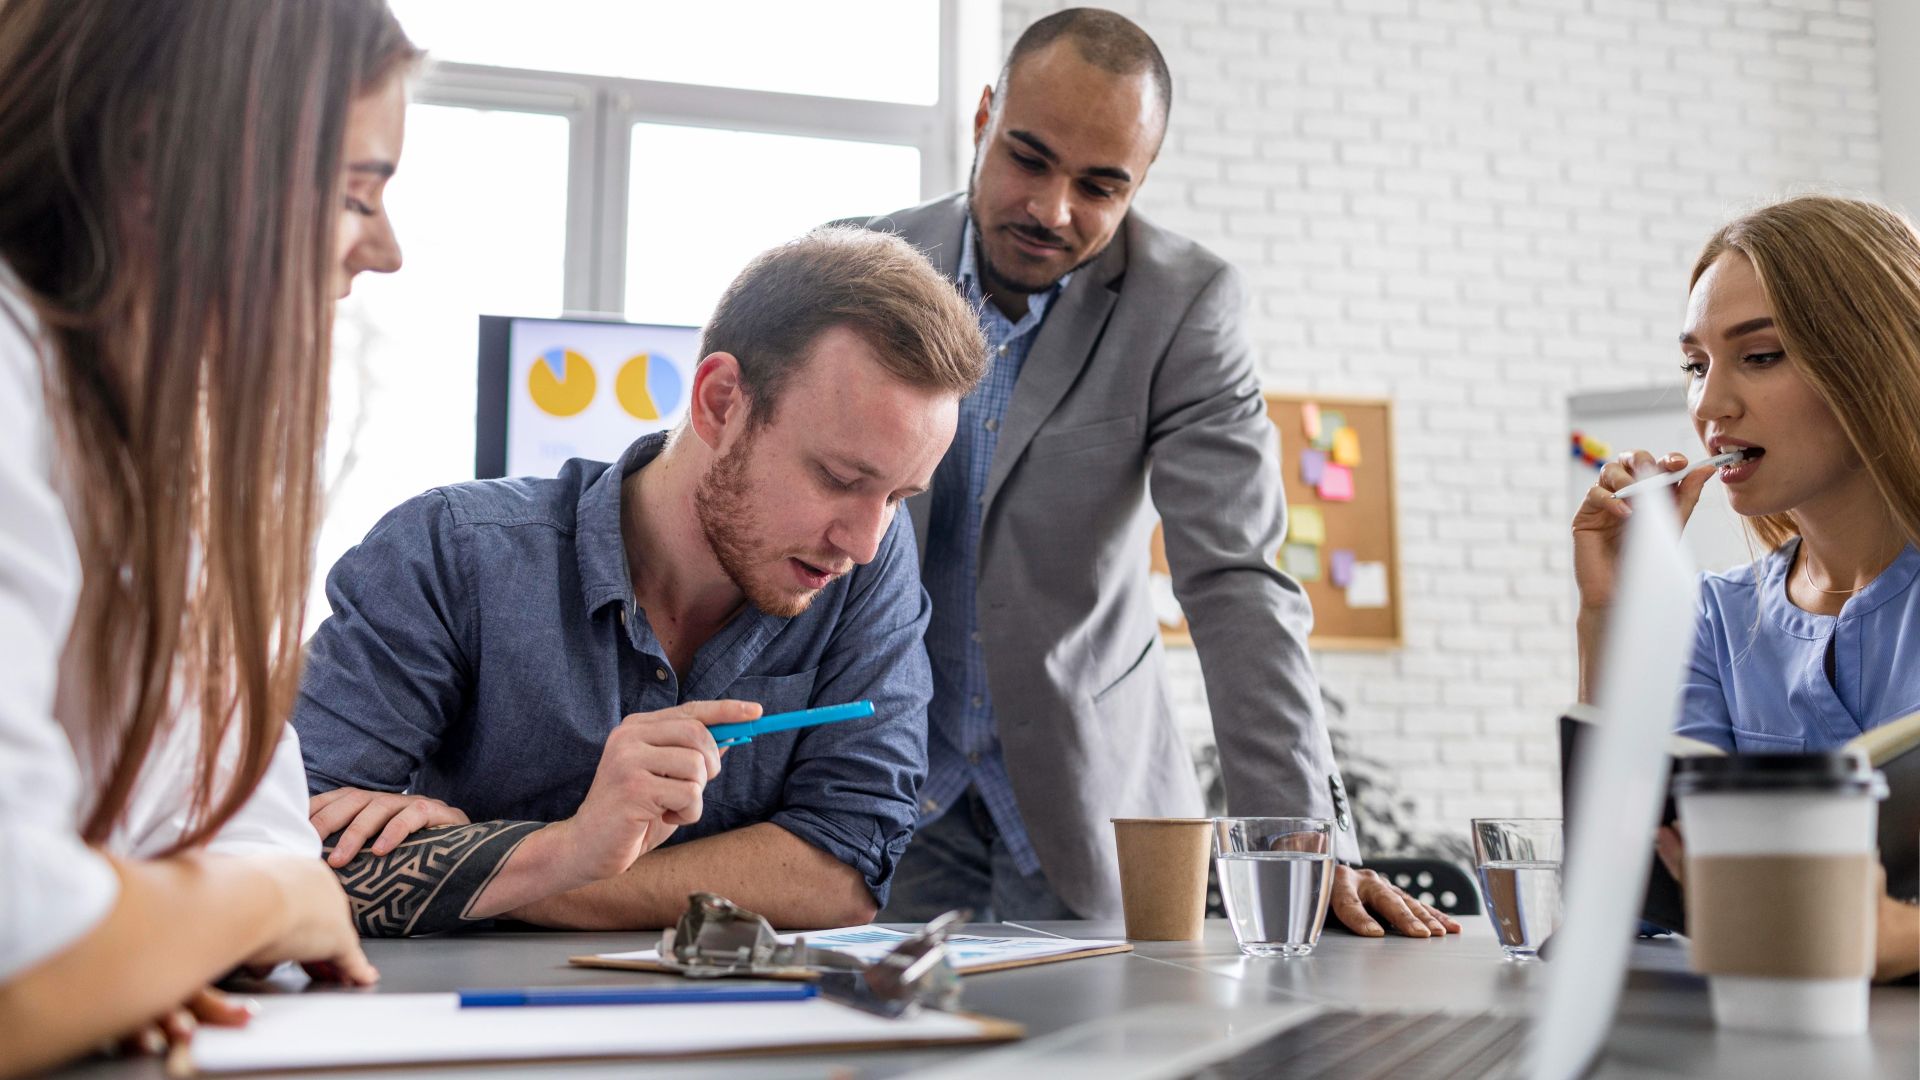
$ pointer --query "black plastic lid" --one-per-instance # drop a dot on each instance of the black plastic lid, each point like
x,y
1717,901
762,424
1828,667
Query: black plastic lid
x,y
1840,772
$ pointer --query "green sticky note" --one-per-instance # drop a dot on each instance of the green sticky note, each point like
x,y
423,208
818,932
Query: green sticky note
x,y
1301,561
1306,525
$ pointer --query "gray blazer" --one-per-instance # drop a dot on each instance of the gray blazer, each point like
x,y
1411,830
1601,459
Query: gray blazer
x,y
1141,380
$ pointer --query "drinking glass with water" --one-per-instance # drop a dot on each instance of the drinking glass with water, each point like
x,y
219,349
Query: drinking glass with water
x,y
1276,876
1518,861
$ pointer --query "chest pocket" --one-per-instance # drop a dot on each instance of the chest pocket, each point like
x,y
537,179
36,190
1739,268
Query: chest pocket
x,y
775,693
1765,742
1084,437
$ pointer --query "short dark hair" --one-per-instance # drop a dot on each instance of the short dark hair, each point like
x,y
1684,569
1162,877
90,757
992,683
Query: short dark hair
x,y
872,283
1108,41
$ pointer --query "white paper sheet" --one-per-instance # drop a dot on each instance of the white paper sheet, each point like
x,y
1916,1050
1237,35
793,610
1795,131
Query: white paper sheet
x,y
1368,586
356,1029
869,943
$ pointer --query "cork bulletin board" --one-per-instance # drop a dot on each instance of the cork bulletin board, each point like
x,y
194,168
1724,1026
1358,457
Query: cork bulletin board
x,y
1336,457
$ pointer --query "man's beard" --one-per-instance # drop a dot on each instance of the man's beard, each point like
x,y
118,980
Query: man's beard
x,y
996,279
721,504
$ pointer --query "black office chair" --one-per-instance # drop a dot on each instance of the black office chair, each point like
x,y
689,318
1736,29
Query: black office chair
x,y
1434,882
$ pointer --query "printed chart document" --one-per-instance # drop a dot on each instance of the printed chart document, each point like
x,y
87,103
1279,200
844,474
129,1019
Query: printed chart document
x,y
972,954
333,1030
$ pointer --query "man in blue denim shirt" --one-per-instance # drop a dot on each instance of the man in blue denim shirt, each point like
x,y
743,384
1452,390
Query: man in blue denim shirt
x,y
462,709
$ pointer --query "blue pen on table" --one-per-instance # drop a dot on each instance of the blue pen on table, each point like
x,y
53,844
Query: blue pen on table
x,y
636,995
735,734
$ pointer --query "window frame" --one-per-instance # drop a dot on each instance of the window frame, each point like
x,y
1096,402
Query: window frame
x,y
602,110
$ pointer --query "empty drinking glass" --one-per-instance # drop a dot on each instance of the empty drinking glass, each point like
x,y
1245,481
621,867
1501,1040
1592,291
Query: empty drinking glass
x,y
1518,861
1276,877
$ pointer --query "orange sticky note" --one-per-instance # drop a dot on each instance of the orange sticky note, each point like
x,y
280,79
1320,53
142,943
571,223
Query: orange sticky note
x,y
1336,484
1346,447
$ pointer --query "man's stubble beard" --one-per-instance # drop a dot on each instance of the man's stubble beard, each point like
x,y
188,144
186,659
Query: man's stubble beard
x,y
996,279
720,502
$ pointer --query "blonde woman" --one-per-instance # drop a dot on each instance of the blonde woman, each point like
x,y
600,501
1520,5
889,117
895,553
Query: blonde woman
x,y
1801,344
186,188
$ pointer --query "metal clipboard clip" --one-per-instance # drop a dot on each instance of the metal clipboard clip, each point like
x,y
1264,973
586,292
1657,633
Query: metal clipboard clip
x,y
717,938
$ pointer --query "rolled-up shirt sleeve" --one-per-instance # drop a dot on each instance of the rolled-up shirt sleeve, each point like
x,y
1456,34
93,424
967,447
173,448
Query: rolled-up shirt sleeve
x,y
53,887
852,786
387,671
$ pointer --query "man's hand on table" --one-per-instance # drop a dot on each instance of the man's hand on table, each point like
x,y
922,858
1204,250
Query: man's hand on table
x,y
383,817
1361,898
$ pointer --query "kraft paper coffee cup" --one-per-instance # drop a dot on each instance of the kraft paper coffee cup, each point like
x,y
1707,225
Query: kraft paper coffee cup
x,y
1781,886
1163,876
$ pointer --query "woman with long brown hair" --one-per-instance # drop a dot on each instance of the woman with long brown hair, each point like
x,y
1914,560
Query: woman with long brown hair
x,y
186,186
1801,347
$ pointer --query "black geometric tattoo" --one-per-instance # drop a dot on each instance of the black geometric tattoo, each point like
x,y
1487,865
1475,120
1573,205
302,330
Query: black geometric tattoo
x,y
429,882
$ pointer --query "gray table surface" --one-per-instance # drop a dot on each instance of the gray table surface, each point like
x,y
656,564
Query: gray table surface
x,y
1664,1027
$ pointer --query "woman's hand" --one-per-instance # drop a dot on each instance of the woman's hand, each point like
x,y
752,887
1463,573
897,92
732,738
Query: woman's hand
x,y
176,1026
1597,528
1600,522
316,927
1896,952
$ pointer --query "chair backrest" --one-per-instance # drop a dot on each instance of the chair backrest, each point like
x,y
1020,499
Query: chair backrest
x,y
1434,882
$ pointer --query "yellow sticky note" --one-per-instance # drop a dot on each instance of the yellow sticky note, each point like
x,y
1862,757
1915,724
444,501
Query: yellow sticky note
x,y
1306,525
1346,447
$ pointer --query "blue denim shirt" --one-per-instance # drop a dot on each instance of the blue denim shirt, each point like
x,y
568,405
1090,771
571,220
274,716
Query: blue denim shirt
x,y
963,747
484,642
1759,679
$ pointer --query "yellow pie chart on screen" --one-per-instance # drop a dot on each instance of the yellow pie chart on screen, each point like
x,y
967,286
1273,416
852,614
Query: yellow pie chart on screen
x,y
561,382
648,386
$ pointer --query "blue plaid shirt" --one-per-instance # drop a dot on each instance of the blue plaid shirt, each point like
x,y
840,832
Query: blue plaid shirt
x,y
963,745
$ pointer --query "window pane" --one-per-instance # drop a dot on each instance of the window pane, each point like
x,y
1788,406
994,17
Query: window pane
x,y
881,50
704,201
480,207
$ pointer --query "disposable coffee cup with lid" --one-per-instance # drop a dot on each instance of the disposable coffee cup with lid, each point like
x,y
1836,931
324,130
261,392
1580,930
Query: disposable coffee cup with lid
x,y
1781,886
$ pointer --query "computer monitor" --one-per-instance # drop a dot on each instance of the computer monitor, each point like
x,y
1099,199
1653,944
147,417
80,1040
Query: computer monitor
x,y
553,389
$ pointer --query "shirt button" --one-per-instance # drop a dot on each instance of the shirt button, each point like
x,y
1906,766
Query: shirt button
x,y
975,636
660,673
978,701
993,425
973,759
929,805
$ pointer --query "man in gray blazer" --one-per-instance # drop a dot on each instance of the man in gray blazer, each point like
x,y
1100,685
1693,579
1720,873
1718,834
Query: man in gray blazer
x,y
1119,367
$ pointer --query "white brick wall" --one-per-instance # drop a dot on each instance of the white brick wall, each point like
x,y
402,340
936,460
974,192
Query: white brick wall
x,y
1476,207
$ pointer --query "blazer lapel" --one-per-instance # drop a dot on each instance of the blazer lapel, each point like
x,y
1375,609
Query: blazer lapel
x,y
1067,341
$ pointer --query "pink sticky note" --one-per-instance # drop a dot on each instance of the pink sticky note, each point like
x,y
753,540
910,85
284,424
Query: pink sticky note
x,y
1312,462
1340,568
1310,420
1336,483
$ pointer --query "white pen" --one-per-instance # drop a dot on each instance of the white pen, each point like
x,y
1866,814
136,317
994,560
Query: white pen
x,y
1670,478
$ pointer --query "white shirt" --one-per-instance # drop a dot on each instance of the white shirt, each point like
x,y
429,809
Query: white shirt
x,y
53,887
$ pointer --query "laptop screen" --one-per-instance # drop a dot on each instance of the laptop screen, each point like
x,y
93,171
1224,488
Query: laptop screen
x,y
1618,787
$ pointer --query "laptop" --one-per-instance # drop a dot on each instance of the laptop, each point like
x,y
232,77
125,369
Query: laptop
x,y
1616,802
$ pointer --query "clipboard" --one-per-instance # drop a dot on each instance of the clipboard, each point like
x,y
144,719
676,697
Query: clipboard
x,y
303,1033
972,954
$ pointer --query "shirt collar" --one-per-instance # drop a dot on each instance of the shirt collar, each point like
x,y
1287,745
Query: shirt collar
x,y
1892,582
599,543
1037,303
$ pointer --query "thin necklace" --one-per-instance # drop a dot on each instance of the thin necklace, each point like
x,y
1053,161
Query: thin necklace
x,y
1806,571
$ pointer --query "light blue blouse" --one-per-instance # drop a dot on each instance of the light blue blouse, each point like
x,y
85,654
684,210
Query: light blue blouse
x,y
1759,675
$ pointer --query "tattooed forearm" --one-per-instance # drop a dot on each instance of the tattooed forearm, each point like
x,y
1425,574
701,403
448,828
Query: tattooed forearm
x,y
429,882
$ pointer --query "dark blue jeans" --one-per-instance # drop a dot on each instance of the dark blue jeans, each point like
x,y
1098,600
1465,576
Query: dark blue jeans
x,y
959,861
